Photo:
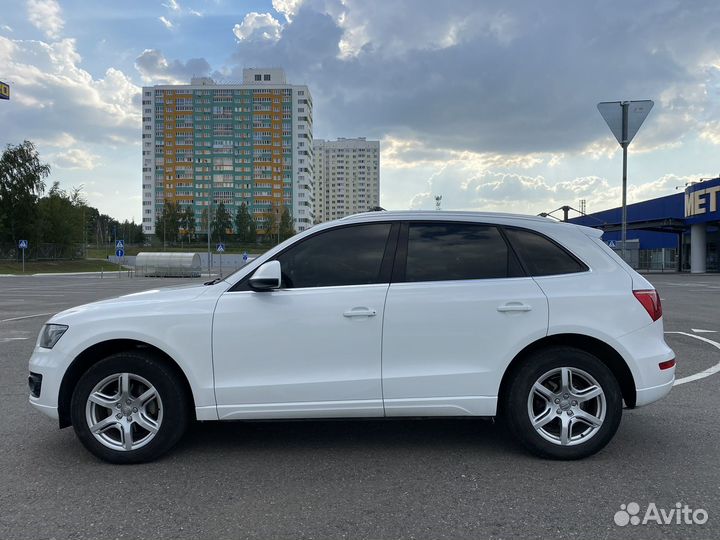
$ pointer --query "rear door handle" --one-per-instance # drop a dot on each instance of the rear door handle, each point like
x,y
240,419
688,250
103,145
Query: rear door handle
x,y
514,306
360,312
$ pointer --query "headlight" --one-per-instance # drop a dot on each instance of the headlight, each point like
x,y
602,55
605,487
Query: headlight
x,y
50,335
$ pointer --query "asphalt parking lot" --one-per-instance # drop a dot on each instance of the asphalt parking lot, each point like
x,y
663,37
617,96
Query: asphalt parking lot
x,y
363,479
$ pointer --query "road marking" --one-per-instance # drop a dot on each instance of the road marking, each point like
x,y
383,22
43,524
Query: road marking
x,y
701,331
706,373
6,339
25,317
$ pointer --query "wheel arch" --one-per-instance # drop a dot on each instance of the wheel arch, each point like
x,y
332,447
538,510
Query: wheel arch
x,y
103,349
606,353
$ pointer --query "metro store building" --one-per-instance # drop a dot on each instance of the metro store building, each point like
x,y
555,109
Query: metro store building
x,y
675,232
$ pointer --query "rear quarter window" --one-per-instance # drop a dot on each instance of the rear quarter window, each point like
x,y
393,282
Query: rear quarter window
x,y
542,256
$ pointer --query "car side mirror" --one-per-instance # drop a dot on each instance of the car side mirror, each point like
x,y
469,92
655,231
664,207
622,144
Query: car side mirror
x,y
267,277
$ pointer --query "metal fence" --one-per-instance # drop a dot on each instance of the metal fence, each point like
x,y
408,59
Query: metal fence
x,y
42,252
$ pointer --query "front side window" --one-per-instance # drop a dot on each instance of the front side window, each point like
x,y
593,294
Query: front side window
x,y
452,251
346,256
541,256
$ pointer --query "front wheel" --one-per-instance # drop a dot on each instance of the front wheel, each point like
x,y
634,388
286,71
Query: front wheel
x,y
563,403
129,408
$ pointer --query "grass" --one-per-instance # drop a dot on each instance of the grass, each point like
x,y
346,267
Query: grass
x,y
134,250
39,267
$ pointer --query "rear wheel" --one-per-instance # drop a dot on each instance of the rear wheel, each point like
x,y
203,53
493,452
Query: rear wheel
x,y
563,403
129,408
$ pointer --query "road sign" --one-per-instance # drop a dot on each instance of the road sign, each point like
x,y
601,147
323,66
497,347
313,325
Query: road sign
x,y
245,256
612,112
4,91
119,253
119,244
23,244
624,118
220,248
612,244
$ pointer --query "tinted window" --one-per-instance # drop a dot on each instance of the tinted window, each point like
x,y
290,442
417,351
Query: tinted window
x,y
446,251
347,256
542,256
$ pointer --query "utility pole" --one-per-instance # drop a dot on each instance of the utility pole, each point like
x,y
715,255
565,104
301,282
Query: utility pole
x,y
209,211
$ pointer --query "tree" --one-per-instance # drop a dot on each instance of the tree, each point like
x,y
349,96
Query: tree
x,y
60,217
271,224
187,221
243,224
22,177
167,225
286,227
221,223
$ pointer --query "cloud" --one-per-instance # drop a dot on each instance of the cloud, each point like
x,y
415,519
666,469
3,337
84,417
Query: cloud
x,y
195,13
46,15
6,28
75,158
168,24
494,77
287,8
258,26
172,5
56,99
154,68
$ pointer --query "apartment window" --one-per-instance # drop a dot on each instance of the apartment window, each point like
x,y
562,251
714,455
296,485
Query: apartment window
x,y
266,77
258,77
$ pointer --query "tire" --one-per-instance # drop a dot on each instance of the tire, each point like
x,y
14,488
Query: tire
x,y
132,423
573,423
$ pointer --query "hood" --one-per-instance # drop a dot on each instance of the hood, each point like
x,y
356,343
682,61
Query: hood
x,y
143,301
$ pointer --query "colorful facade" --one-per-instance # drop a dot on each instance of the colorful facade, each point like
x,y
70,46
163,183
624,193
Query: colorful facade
x,y
205,143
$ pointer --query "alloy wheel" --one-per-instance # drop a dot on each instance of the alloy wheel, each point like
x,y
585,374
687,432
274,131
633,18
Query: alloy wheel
x,y
566,406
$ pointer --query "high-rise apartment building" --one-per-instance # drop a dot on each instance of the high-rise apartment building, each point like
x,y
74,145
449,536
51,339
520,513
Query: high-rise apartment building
x,y
207,143
347,177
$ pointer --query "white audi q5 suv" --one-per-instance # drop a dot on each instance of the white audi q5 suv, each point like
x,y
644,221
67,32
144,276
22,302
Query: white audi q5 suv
x,y
382,314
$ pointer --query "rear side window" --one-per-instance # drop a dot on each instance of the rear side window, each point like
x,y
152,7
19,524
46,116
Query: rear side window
x,y
450,251
345,256
541,256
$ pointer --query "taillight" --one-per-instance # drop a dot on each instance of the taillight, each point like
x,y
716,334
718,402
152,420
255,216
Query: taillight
x,y
667,364
650,300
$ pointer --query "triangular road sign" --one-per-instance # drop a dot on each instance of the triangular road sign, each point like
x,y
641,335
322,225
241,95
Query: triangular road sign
x,y
611,111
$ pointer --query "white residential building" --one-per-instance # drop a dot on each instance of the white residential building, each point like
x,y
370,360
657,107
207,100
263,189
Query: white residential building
x,y
347,177
207,143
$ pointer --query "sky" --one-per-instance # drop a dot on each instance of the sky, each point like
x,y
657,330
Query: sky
x,y
490,104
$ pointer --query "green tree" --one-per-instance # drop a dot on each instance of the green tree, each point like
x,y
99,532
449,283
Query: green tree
x,y
187,221
271,223
221,223
60,217
286,227
22,177
243,224
252,232
167,224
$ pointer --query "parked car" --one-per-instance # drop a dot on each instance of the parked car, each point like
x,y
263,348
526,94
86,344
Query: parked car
x,y
383,314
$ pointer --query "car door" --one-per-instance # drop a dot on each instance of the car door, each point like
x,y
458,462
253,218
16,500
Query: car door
x,y
311,348
458,310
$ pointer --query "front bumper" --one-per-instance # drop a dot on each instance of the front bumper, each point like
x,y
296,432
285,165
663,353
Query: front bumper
x,y
50,365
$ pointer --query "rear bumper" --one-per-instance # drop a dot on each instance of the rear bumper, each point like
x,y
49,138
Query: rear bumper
x,y
644,350
648,395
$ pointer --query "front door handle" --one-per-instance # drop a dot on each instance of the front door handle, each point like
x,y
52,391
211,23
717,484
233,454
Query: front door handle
x,y
360,312
514,306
